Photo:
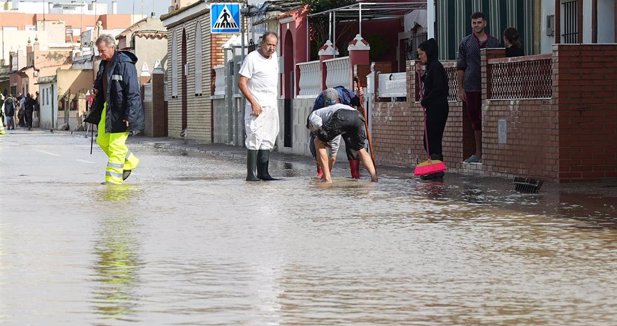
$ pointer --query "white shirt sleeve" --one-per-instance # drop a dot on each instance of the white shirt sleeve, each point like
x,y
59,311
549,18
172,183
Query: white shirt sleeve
x,y
246,69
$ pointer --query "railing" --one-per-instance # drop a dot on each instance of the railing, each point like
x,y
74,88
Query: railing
x,y
520,77
219,82
338,72
393,85
310,79
450,67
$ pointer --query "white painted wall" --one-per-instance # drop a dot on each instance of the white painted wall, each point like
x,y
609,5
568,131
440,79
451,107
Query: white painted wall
x,y
48,100
548,8
606,23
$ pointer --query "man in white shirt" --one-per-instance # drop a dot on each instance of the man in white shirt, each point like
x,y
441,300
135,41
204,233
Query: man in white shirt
x,y
259,76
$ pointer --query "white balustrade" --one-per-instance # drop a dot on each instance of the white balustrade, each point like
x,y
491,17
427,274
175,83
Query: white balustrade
x,y
310,79
393,85
338,72
219,82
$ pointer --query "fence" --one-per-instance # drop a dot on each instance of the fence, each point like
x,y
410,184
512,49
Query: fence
x,y
310,79
338,72
520,77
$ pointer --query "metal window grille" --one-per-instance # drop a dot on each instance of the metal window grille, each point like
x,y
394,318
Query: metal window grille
x,y
570,22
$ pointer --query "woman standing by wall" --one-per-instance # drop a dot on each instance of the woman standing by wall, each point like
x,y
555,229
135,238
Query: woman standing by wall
x,y
434,101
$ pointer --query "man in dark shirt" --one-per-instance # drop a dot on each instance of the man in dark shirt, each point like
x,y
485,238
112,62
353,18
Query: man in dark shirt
x,y
469,77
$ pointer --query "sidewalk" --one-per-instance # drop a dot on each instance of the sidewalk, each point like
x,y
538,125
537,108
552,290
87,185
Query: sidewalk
x,y
604,188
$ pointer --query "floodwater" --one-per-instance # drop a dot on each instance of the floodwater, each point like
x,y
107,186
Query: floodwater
x,y
188,242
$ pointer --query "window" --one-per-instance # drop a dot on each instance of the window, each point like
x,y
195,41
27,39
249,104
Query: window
x,y
198,58
570,21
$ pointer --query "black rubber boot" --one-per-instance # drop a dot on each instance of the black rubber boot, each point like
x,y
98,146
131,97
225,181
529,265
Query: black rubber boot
x,y
263,159
251,165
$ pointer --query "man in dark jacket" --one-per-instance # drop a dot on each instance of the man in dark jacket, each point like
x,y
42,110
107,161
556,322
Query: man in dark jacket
x,y
117,108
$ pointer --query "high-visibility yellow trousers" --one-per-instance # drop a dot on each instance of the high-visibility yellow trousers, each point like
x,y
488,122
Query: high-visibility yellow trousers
x,y
114,146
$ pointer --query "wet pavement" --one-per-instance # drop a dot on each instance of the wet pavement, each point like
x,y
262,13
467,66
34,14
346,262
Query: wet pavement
x,y
186,241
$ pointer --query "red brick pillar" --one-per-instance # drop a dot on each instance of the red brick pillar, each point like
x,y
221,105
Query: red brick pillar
x,y
358,56
327,51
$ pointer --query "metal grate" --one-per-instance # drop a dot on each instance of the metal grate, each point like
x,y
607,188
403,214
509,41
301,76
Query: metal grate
x,y
570,22
518,78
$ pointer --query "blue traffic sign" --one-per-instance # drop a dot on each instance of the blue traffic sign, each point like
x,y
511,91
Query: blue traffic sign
x,y
225,17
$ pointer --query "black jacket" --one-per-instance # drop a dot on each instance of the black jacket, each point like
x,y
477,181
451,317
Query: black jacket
x,y
123,96
435,78
514,51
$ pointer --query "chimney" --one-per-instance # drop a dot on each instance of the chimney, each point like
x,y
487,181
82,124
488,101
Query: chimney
x,y
114,7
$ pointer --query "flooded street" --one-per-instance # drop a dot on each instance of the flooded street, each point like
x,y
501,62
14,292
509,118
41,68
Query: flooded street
x,y
186,241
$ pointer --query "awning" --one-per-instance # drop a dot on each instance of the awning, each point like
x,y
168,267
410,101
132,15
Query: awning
x,y
373,10
364,11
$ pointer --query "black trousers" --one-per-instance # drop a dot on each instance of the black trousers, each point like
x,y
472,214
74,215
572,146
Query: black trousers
x,y
29,118
436,117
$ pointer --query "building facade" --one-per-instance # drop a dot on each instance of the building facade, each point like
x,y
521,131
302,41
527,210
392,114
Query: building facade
x,y
193,52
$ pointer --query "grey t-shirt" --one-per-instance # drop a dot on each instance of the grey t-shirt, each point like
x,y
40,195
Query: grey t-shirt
x,y
319,117
468,59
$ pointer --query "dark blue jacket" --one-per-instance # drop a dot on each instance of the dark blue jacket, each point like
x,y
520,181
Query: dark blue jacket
x,y
123,96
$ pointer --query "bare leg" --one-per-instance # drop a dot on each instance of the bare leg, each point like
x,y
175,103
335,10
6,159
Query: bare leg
x,y
478,137
331,163
365,157
322,159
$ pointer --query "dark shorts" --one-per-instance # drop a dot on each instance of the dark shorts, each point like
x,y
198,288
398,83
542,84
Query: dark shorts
x,y
473,108
349,124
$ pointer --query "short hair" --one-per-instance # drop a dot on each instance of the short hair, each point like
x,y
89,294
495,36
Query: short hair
x,y
107,39
330,96
266,34
478,14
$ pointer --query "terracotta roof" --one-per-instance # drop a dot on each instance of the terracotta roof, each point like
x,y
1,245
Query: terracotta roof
x,y
151,34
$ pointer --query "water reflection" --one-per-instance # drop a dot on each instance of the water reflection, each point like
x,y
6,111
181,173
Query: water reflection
x,y
435,189
117,264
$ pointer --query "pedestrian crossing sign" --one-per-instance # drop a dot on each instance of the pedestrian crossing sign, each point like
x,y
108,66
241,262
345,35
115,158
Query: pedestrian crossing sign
x,y
225,18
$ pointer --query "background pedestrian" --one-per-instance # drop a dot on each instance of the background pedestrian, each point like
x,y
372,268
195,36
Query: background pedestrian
x,y
512,43
469,78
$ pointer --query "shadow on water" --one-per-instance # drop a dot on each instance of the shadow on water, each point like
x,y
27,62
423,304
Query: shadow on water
x,y
117,264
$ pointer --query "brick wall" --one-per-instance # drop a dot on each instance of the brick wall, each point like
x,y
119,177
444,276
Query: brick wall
x,y
199,108
398,130
530,147
218,55
585,90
